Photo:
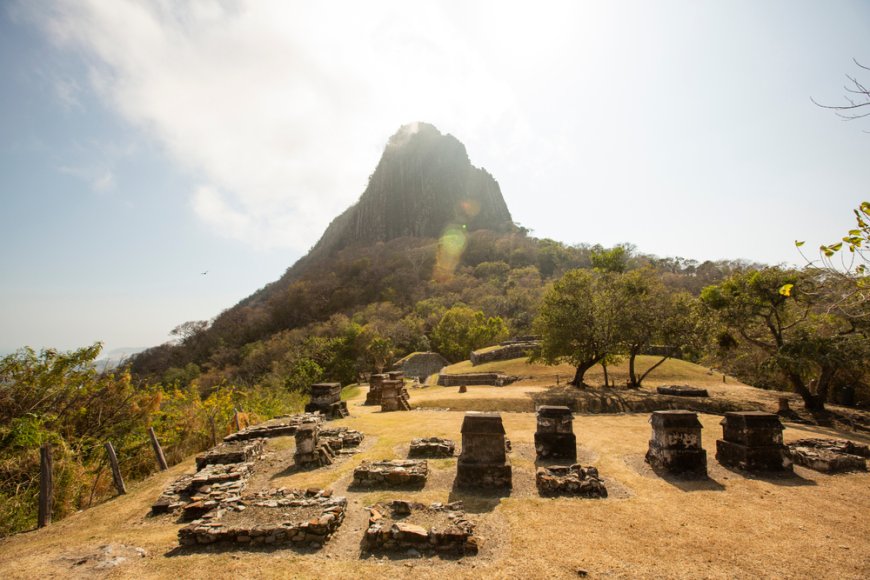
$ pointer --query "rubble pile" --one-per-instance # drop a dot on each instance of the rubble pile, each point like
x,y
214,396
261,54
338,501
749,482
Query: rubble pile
x,y
341,439
574,480
404,526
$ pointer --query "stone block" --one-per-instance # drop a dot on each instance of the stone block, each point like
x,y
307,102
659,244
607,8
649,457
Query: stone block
x,y
675,445
573,480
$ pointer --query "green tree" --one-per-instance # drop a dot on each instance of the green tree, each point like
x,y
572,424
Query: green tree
x,y
463,329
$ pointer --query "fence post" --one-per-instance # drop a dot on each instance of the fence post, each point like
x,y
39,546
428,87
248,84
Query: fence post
x,y
46,487
116,469
158,451
236,420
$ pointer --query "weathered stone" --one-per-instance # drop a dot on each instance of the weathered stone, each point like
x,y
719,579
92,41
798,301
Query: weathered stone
x,y
421,364
392,527
495,379
554,436
574,480
432,447
310,451
752,440
277,427
373,397
483,461
326,400
395,473
675,446
234,452
394,396
505,351
682,391
829,455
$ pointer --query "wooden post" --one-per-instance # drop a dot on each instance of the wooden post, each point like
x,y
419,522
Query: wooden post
x,y
46,487
161,460
213,432
116,469
236,420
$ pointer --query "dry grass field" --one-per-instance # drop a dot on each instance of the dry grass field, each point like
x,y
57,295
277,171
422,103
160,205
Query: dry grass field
x,y
733,525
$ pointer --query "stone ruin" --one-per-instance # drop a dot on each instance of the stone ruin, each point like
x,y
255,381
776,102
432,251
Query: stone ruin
x,y
495,379
310,451
432,447
682,391
483,462
341,439
752,440
505,351
234,452
394,396
302,518
421,365
200,493
395,473
277,427
554,436
326,399
675,445
408,527
373,397
829,455
574,480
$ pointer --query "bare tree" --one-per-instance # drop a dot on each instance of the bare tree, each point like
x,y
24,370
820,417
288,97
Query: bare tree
x,y
857,98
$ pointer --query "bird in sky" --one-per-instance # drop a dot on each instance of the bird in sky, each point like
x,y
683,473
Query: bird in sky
x,y
204,273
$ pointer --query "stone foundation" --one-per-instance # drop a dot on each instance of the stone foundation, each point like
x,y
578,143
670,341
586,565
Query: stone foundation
x,y
829,455
483,462
675,446
277,427
401,526
301,518
205,490
491,379
432,447
341,438
682,391
752,440
395,473
574,480
326,399
554,437
234,452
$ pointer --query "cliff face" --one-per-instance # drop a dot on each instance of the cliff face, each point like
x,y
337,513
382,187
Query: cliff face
x,y
423,182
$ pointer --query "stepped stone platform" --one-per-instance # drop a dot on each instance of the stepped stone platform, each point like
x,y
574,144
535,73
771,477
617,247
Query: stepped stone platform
x,y
752,440
205,490
394,395
675,445
302,518
554,436
421,364
326,400
310,450
505,351
395,473
234,452
401,526
373,397
341,439
573,480
277,427
492,379
432,447
829,455
682,391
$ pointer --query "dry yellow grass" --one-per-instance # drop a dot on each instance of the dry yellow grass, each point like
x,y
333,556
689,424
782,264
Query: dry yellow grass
x,y
733,526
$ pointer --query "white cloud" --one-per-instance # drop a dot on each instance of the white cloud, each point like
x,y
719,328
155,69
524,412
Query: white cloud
x,y
281,108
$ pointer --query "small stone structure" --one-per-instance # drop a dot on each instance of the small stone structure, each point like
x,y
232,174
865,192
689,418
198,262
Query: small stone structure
x,y
396,375
675,445
310,451
205,490
401,526
554,436
373,397
326,398
277,427
574,480
234,452
483,462
395,473
394,396
432,447
341,439
303,518
682,391
495,379
752,440
421,365
505,351
829,455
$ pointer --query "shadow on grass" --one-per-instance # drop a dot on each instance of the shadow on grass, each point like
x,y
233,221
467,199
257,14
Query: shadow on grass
x,y
477,500
783,478
688,482
233,547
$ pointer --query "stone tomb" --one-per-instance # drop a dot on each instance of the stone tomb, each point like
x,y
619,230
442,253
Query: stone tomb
x,y
554,436
752,440
395,473
277,427
302,518
483,462
373,397
675,446
394,397
432,447
310,451
205,490
326,399
402,526
234,452
829,455
574,480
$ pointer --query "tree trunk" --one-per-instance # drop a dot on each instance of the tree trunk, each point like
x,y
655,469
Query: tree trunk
x,y
604,366
632,375
651,369
811,401
577,381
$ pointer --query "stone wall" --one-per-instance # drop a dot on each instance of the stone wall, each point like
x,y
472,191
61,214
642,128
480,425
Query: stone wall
x,y
506,351
205,490
496,379
234,452
395,473
408,527
277,427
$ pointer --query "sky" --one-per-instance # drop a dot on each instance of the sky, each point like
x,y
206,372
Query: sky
x,y
145,143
